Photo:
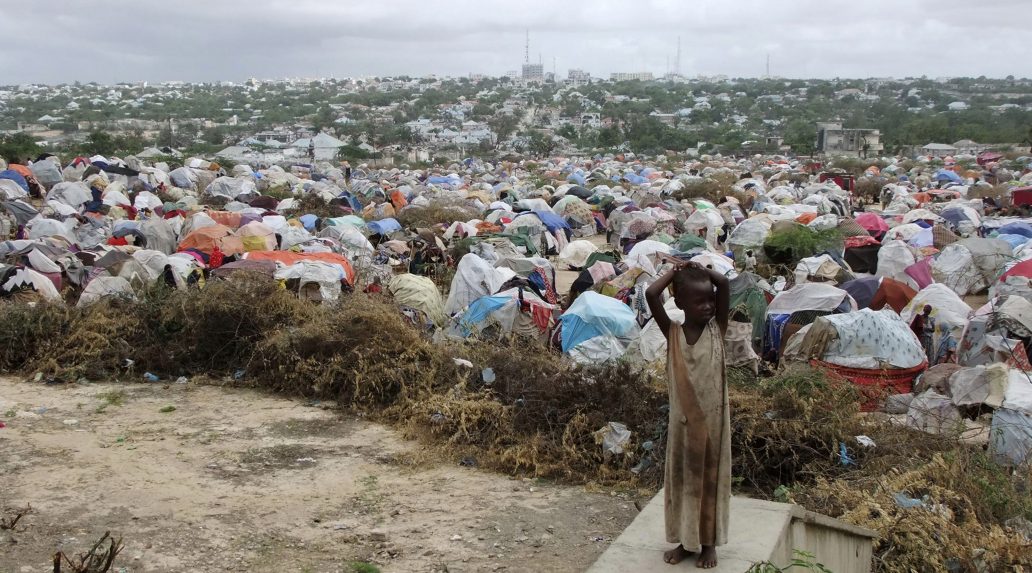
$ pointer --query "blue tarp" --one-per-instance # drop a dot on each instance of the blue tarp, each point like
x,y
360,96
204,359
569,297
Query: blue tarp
x,y
308,221
594,314
351,199
438,180
384,226
552,221
947,175
577,177
775,326
955,216
479,310
1014,241
16,177
635,179
1017,228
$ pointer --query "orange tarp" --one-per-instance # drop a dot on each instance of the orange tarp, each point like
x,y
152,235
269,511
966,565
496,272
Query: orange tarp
x,y
206,239
227,218
922,197
291,258
806,218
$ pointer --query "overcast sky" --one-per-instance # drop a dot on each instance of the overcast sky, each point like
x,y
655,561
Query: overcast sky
x,y
204,40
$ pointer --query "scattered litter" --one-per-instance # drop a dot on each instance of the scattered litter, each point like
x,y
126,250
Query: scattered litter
x,y
614,436
844,458
182,380
167,409
463,362
865,441
487,375
151,377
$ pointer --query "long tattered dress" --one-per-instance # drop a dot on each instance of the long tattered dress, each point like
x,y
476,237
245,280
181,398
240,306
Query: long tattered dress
x,y
698,454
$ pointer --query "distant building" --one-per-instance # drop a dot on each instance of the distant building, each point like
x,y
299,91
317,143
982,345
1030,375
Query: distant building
x,y
533,73
578,77
833,139
631,76
512,75
477,77
957,106
938,150
591,119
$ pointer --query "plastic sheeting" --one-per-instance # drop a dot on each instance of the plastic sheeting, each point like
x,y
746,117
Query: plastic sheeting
x,y
592,315
576,253
893,259
871,339
474,278
934,413
420,293
1011,436
955,267
102,287
327,276
809,296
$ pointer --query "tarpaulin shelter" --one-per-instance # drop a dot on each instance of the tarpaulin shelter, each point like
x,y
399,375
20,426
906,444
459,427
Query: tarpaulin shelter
x,y
207,238
419,293
289,258
512,311
805,301
597,328
256,236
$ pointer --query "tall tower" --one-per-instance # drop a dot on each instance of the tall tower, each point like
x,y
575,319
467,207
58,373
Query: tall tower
x,y
768,64
526,49
677,61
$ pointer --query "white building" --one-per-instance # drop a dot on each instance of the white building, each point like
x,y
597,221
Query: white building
x,y
631,76
938,150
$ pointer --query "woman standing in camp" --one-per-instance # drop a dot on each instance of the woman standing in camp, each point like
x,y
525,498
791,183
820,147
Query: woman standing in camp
x,y
697,480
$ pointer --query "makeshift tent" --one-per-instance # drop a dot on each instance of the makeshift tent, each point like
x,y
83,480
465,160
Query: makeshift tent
x,y
474,278
597,328
512,311
207,238
105,287
316,280
256,236
420,293
290,258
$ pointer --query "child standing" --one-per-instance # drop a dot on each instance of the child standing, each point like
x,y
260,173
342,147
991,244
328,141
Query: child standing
x,y
697,481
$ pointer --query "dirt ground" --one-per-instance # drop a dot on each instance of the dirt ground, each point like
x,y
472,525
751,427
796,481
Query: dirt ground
x,y
239,480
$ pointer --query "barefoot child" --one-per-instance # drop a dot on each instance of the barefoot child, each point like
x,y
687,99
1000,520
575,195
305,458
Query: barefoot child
x,y
697,481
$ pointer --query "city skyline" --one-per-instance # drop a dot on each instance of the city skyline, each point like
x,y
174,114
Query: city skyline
x,y
234,40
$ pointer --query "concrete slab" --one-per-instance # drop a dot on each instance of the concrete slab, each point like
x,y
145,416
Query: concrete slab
x,y
759,531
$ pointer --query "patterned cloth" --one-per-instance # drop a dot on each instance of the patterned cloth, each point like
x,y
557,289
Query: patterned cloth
x,y
942,236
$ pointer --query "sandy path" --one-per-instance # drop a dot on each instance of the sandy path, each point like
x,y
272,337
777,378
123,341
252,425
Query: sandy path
x,y
238,480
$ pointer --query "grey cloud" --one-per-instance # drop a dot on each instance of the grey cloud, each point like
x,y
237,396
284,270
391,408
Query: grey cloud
x,y
122,40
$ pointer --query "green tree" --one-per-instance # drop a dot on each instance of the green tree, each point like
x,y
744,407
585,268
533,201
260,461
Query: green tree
x,y
19,146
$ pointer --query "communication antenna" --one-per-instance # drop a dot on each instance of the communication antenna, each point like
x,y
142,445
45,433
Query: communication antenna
x,y
677,62
768,64
526,49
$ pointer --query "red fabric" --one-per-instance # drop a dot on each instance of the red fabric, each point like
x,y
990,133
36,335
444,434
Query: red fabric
x,y
542,316
860,241
216,258
117,241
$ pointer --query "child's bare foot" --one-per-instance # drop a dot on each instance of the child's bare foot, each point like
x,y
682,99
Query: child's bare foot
x,y
707,557
676,555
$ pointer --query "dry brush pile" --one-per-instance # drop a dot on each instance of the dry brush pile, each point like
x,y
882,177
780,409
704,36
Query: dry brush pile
x,y
793,435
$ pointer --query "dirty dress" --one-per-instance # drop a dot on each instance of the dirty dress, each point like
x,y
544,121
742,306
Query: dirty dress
x,y
697,481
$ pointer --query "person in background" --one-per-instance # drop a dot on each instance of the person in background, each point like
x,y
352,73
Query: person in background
x,y
923,326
